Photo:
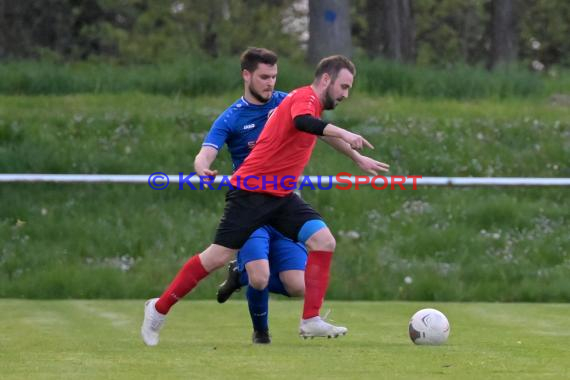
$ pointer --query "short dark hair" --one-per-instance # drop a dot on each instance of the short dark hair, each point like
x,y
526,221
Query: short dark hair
x,y
333,65
253,56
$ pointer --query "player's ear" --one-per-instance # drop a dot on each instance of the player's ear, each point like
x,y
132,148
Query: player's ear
x,y
326,79
246,75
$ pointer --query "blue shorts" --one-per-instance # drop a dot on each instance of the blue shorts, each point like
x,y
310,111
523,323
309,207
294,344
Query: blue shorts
x,y
266,243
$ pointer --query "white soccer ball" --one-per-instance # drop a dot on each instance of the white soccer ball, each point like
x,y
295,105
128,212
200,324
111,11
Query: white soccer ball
x,y
429,327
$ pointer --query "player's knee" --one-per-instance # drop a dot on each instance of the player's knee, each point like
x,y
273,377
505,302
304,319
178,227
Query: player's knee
x,y
329,244
217,263
214,257
258,279
322,241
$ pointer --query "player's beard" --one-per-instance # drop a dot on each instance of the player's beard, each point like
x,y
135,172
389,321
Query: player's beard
x,y
330,102
257,95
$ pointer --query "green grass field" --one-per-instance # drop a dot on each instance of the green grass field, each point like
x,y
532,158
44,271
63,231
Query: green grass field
x,y
204,340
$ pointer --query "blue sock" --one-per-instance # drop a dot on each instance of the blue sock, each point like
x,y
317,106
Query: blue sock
x,y
276,286
243,278
258,302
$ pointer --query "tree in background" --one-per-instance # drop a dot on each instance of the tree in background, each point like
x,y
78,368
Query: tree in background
x,y
450,31
424,32
30,28
371,32
141,30
399,30
390,29
166,29
329,29
504,33
544,31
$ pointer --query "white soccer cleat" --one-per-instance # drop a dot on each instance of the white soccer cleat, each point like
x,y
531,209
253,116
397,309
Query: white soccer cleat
x,y
318,327
152,323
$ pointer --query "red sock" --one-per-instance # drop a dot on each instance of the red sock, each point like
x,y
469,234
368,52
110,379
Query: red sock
x,y
186,279
316,282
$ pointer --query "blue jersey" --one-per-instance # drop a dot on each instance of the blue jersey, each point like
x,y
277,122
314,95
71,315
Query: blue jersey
x,y
240,125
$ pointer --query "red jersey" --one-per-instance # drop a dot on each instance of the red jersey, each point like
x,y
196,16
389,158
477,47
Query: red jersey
x,y
282,151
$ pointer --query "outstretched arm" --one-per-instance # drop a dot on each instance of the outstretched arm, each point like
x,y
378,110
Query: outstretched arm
x,y
341,146
355,141
366,164
316,126
342,140
204,160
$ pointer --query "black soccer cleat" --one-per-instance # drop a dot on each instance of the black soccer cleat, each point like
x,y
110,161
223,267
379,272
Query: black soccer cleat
x,y
231,285
261,337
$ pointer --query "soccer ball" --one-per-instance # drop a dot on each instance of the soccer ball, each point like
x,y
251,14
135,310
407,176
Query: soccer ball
x,y
429,326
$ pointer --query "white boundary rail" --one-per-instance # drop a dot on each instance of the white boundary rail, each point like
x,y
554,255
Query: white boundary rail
x,y
324,180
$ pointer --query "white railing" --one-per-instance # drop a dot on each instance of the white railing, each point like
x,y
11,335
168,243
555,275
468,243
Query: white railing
x,y
324,180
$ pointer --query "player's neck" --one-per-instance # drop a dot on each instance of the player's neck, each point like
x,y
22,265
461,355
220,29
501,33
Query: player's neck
x,y
252,99
319,93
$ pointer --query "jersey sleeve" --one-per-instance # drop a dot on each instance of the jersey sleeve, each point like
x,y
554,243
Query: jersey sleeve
x,y
218,134
305,104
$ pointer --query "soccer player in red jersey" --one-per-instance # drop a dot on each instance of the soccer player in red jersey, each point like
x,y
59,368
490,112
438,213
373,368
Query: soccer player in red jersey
x,y
264,195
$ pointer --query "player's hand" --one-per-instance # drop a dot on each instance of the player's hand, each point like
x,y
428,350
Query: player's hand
x,y
355,141
371,166
208,173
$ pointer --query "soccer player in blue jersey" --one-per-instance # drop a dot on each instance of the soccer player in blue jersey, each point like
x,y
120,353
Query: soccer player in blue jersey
x,y
268,261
